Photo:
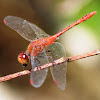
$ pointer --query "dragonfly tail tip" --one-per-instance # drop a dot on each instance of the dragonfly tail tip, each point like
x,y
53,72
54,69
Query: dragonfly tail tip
x,y
94,12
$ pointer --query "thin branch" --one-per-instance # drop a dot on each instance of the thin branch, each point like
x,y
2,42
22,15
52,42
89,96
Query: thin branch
x,y
56,62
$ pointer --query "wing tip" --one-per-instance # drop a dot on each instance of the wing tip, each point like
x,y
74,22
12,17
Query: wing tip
x,y
61,87
31,82
35,85
4,21
56,82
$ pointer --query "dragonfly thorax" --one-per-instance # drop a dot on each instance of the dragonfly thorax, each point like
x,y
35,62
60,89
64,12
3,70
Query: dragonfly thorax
x,y
36,47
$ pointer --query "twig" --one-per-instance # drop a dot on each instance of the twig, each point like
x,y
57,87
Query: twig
x,y
56,62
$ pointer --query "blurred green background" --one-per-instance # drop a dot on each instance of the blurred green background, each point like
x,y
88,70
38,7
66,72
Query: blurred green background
x,y
83,82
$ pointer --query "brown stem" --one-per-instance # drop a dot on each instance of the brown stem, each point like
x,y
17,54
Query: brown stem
x,y
56,62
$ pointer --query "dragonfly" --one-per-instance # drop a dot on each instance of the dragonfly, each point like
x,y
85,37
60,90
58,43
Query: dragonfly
x,y
42,49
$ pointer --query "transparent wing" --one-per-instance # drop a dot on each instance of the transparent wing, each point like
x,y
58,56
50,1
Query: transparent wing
x,y
26,29
37,78
59,71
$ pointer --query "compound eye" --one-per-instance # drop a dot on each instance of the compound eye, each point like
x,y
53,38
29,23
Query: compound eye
x,y
23,58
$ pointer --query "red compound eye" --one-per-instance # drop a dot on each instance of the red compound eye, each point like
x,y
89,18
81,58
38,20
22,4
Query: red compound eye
x,y
23,58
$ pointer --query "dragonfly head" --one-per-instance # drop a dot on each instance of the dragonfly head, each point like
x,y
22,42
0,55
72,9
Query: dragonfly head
x,y
23,58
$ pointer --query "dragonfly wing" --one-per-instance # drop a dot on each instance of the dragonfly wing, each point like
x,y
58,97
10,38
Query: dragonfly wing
x,y
37,78
39,32
26,29
59,71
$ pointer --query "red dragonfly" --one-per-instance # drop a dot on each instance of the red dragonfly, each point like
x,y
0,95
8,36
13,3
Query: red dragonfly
x,y
42,49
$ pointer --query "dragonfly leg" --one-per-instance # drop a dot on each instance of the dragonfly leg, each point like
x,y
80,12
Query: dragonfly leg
x,y
37,63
